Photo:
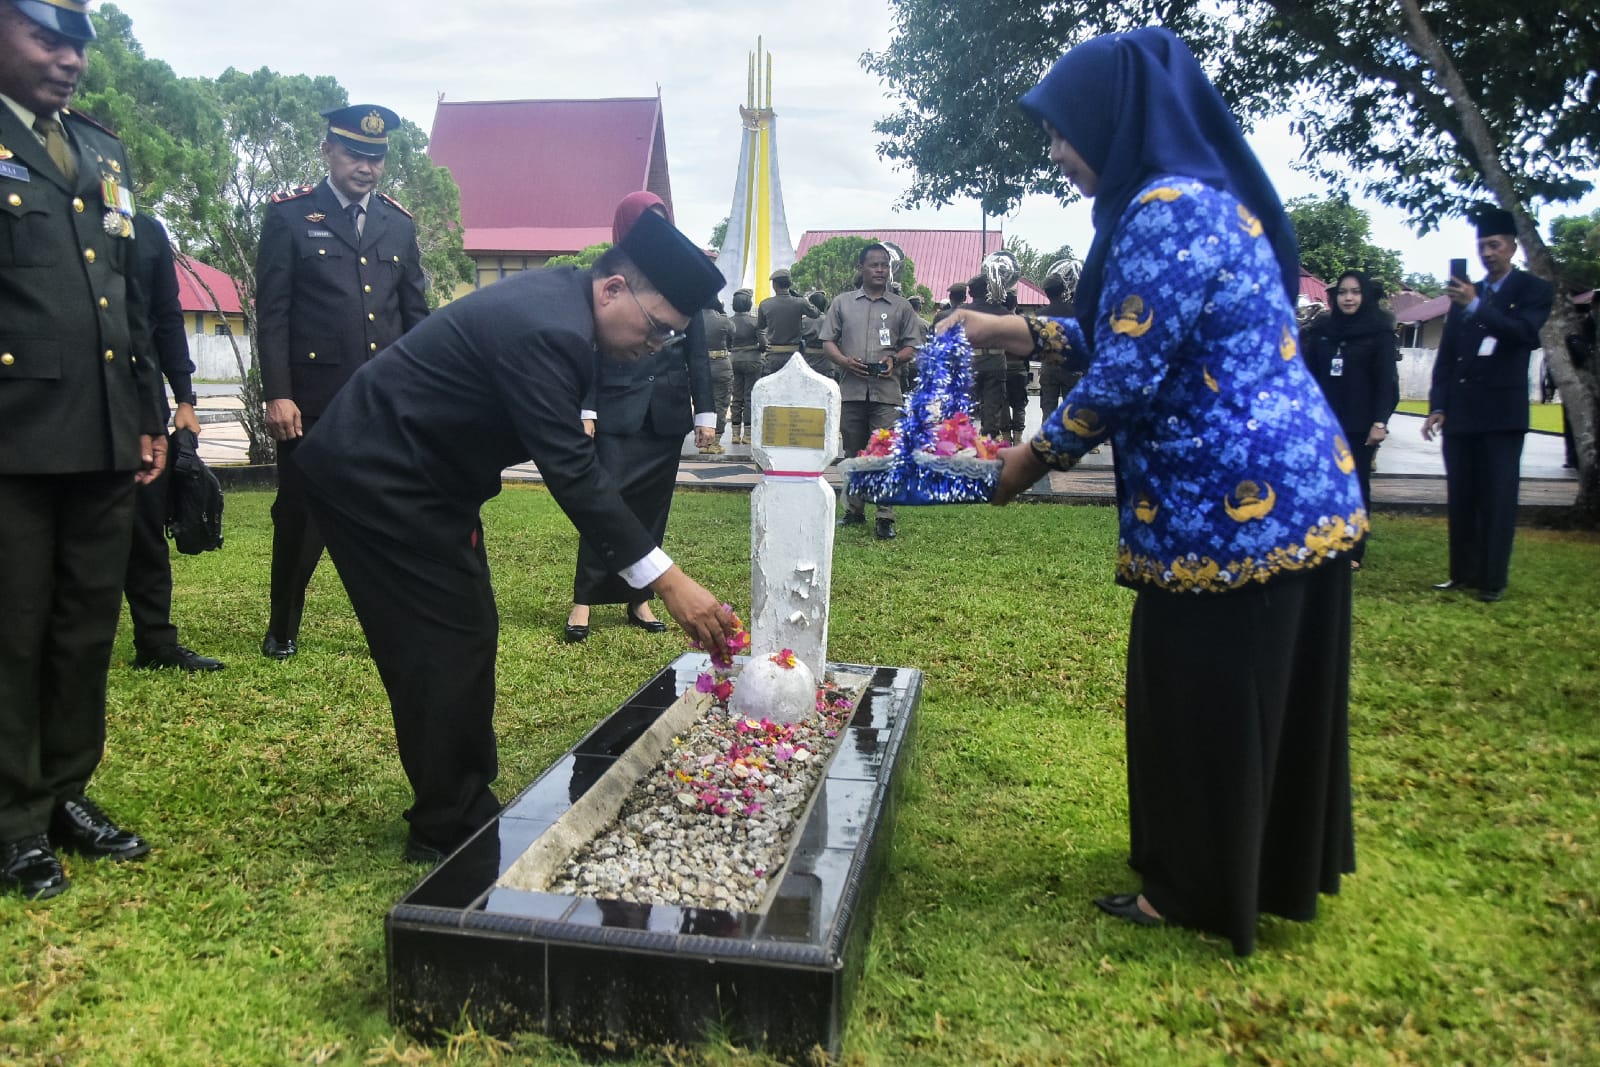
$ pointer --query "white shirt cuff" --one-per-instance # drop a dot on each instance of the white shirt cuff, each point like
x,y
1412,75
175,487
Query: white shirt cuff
x,y
592,416
647,570
705,418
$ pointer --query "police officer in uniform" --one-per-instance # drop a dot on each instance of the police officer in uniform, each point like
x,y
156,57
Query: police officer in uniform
x,y
778,319
338,279
81,428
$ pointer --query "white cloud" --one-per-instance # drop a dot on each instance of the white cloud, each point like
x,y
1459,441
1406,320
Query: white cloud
x,y
404,53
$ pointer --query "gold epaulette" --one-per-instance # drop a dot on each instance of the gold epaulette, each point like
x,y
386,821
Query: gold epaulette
x,y
293,194
392,202
96,123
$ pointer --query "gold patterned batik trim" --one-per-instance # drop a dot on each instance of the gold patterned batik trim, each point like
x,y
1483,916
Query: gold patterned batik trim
x,y
1202,574
1060,461
1049,339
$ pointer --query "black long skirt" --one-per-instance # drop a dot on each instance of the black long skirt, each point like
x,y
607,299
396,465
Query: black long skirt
x,y
1238,751
644,467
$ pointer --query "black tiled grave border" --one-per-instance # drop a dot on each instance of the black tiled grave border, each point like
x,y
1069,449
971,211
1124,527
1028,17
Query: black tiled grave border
x,y
586,971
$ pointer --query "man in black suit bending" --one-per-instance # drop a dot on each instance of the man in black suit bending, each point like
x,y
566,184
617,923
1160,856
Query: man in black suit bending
x,y
1479,400
405,456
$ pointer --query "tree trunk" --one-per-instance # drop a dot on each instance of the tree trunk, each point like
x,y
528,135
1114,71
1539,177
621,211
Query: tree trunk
x,y
1580,389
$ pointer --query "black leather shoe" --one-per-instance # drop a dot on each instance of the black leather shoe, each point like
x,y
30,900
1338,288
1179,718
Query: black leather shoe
x,y
30,867
575,632
852,519
272,648
649,626
884,531
1125,906
1491,596
1452,586
419,851
175,656
79,825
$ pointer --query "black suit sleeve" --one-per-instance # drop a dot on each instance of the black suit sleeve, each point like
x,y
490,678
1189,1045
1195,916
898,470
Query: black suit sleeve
x,y
274,295
1520,322
159,273
1386,375
699,362
413,287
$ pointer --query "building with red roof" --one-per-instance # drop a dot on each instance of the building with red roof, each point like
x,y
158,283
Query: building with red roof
x,y
209,299
941,257
541,178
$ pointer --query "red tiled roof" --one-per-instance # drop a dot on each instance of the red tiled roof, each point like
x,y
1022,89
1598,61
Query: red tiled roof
x,y
1405,299
1426,311
192,294
544,176
1312,287
941,257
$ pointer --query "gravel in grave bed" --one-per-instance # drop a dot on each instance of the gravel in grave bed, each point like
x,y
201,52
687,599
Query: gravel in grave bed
x,y
710,824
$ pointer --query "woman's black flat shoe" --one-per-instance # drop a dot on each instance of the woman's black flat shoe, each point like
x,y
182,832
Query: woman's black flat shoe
x,y
575,633
1125,906
649,626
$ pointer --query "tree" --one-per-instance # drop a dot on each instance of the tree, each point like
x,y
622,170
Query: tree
x,y
1333,236
719,232
1033,263
831,267
959,132
1426,284
1575,243
584,259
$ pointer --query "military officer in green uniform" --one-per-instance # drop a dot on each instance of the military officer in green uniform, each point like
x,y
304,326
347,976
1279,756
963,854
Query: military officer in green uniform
x,y
81,428
338,280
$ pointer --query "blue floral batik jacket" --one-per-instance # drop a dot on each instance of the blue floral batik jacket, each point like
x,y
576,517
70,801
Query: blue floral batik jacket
x,y
1231,468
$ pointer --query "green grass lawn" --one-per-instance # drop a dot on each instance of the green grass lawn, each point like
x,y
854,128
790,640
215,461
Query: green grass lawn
x,y
1469,933
1545,417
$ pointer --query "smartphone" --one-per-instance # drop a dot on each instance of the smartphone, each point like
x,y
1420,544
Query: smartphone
x,y
1458,269
877,368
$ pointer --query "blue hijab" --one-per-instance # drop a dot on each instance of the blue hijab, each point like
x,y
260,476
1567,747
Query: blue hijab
x,y
1136,105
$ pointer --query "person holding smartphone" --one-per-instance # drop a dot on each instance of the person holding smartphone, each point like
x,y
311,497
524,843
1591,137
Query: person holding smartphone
x,y
1479,403
868,333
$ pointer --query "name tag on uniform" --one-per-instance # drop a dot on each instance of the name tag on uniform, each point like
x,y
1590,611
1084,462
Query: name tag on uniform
x,y
15,170
1486,347
319,233
1336,367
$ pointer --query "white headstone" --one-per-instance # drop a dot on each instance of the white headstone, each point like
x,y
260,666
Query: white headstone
x,y
796,436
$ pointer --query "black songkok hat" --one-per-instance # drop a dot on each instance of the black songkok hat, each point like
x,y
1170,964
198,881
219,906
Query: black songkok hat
x,y
677,267
362,128
1494,221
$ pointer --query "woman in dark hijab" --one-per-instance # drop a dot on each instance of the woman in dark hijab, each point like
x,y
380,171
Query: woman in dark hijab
x,y
1235,488
1352,350
638,415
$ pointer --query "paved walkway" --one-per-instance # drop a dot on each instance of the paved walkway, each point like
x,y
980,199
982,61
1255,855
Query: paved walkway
x,y
1410,471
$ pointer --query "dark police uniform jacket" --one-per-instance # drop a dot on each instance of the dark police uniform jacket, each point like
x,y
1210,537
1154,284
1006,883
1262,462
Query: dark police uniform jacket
x,y
76,386
327,300
413,448
1489,393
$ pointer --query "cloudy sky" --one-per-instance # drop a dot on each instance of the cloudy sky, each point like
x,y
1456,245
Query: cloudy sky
x,y
405,54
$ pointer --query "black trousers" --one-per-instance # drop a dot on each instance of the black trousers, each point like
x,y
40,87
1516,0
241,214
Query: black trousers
x,y
63,555
645,469
1363,454
1480,477
1017,393
1238,750
148,583
1054,385
296,544
989,383
432,626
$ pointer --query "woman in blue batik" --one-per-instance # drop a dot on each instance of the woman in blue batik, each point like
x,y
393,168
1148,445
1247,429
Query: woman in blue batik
x,y
1236,490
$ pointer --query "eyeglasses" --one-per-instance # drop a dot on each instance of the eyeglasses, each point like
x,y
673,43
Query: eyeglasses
x,y
661,335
